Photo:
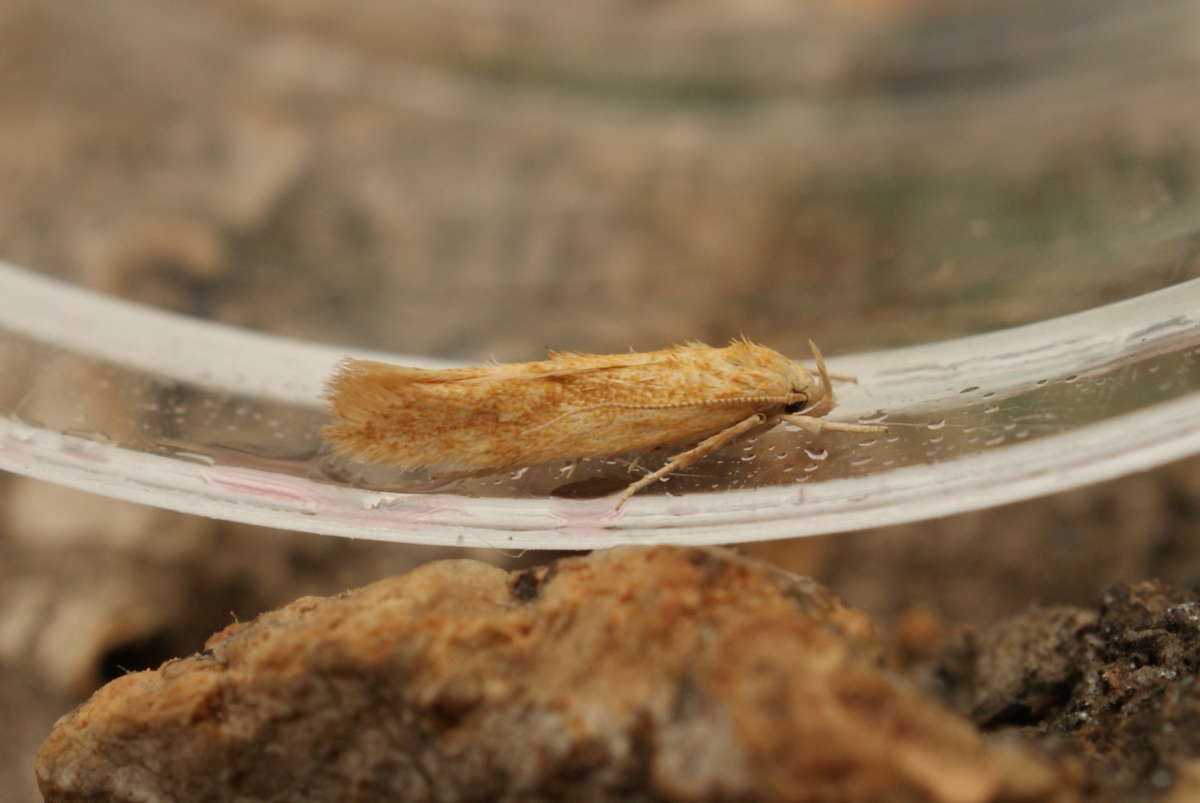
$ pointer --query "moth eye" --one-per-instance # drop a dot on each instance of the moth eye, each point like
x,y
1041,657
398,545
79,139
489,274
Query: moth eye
x,y
793,408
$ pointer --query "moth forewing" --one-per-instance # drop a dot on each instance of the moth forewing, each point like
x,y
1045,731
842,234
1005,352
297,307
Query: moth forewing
x,y
570,406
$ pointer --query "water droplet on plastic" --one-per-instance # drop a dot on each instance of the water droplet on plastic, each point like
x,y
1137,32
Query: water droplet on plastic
x,y
935,425
995,408
817,454
877,417
970,389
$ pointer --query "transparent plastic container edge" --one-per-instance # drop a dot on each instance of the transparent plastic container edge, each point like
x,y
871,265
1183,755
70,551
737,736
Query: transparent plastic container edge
x,y
1108,342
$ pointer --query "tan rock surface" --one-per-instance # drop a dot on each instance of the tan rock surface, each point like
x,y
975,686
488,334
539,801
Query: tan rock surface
x,y
638,673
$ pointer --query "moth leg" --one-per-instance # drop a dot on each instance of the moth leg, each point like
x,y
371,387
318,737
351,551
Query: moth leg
x,y
633,465
697,452
816,425
843,378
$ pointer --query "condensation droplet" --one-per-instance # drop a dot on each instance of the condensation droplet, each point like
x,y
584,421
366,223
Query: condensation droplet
x,y
995,408
996,441
877,417
817,454
936,425
970,389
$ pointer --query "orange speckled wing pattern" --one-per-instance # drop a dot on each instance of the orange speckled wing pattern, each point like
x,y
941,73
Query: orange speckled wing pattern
x,y
568,406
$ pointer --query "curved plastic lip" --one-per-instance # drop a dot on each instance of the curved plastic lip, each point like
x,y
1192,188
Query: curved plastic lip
x,y
909,380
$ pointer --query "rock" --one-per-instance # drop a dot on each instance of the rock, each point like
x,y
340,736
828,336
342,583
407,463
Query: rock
x,y
633,674
1025,666
1115,687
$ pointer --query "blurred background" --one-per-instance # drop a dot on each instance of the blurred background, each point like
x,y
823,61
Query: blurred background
x,y
471,179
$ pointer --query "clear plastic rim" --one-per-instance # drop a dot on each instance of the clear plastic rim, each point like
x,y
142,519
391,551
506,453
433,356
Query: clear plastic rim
x,y
909,380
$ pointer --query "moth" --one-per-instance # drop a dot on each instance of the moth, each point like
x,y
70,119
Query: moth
x,y
498,417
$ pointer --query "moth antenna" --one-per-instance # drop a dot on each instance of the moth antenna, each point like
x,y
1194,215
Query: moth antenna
x,y
667,406
827,401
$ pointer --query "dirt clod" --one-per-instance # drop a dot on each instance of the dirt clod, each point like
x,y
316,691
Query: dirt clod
x,y
637,674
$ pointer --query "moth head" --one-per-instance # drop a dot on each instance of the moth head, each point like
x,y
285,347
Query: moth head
x,y
814,396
